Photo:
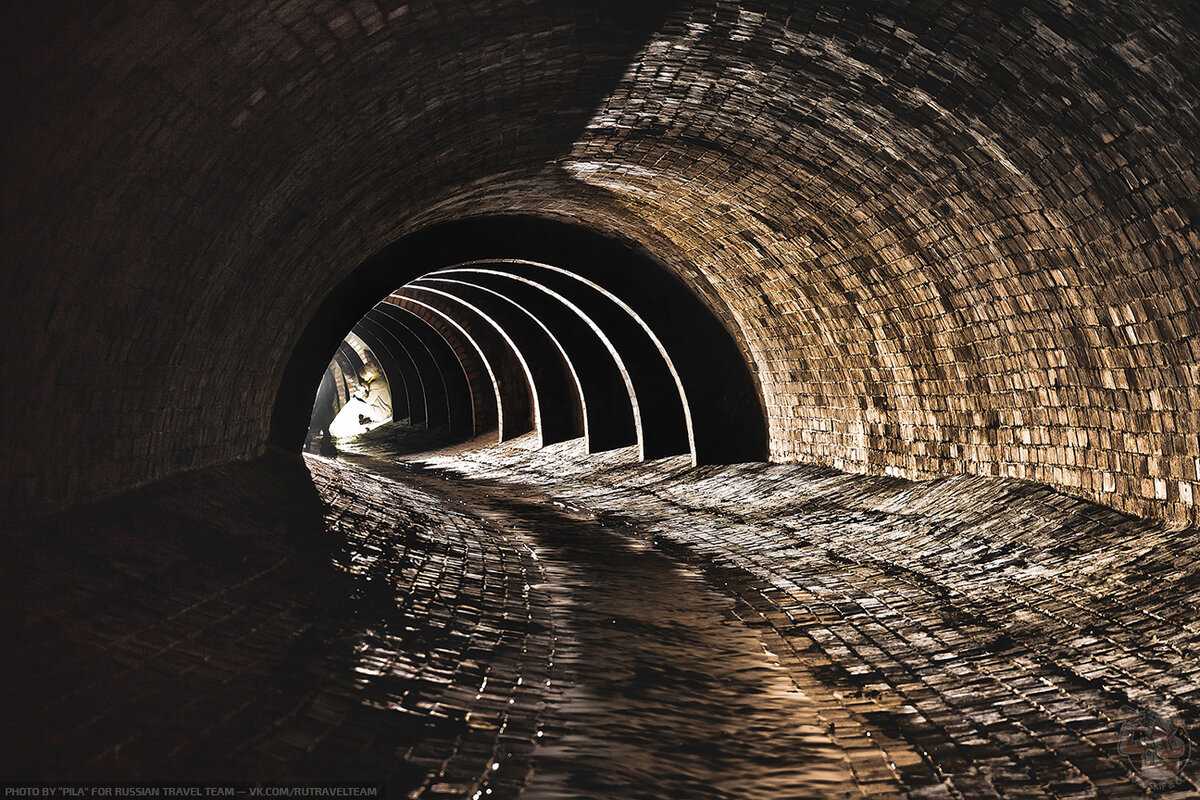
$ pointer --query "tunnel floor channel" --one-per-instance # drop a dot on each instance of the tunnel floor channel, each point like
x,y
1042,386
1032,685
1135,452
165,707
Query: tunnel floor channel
x,y
772,631
512,621
655,687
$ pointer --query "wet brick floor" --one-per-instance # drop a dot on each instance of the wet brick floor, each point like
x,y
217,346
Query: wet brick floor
x,y
213,628
968,637
751,631
660,690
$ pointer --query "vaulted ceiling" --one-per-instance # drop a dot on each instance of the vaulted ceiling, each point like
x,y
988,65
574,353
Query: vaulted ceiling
x,y
945,236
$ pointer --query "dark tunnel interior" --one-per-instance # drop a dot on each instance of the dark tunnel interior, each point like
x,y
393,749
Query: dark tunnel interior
x,y
501,300
715,399
502,338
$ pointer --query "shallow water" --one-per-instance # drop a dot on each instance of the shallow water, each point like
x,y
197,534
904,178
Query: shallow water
x,y
658,690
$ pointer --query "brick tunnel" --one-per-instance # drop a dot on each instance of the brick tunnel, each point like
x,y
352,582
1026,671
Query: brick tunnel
x,y
778,399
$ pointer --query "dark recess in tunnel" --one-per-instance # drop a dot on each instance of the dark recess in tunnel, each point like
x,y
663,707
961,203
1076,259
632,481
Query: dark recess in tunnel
x,y
513,394
559,406
607,402
452,395
729,422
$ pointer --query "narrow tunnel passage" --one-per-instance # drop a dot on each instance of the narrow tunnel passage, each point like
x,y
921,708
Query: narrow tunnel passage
x,y
506,344
785,399
697,383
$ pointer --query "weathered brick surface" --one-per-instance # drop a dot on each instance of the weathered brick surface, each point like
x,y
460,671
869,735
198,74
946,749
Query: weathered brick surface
x,y
951,237
999,628
660,690
187,182
229,625
465,663
968,637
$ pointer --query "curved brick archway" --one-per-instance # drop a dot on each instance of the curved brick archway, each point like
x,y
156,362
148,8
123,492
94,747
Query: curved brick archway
x,y
663,416
947,239
560,404
405,387
514,397
480,382
407,371
944,240
609,406
455,407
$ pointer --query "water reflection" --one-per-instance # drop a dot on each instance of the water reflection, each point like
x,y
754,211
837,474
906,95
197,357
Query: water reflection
x,y
659,691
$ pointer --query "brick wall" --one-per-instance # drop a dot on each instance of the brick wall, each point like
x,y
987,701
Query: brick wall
x,y
950,237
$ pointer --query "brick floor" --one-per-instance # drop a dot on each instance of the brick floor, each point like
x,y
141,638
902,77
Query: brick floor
x,y
999,629
660,688
204,628
965,637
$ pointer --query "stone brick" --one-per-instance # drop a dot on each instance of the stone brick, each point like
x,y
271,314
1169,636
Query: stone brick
x,y
963,230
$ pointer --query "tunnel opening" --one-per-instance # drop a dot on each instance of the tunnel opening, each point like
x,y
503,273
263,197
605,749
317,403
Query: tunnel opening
x,y
496,327
354,396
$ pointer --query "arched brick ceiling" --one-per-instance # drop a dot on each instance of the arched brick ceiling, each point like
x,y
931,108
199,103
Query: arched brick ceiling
x,y
948,236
